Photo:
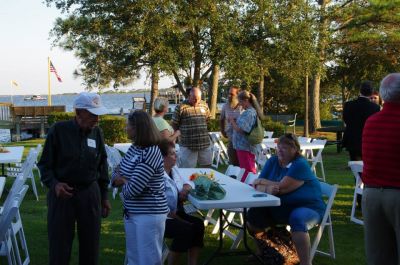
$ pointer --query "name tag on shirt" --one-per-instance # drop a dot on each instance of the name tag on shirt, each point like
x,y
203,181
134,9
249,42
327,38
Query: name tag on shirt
x,y
91,143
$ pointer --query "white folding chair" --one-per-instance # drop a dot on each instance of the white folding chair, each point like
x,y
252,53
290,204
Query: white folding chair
x,y
216,155
328,191
268,134
217,139
113,158
262,155
6,243
356,168
27,169
16,194
318,159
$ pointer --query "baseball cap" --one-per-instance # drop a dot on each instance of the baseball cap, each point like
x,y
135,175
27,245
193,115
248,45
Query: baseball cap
x,y
90,102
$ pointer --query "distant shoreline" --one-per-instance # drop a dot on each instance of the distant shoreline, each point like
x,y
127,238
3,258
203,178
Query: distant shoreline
x,y
76,93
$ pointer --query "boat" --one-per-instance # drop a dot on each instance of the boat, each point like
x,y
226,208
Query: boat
x,y
35,97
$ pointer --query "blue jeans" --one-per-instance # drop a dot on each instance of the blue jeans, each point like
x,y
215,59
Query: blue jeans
x,y
300,219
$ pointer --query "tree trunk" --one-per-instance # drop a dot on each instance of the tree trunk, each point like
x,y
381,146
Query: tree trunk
x,y
260,91
306,119
214,93
315,120
179,83
197,57
154,88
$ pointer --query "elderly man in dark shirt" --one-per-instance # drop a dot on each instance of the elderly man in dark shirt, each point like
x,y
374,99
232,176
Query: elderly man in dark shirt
x,y
74,168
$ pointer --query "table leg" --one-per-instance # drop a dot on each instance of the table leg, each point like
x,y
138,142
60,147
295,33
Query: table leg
x,y
219,252
339,137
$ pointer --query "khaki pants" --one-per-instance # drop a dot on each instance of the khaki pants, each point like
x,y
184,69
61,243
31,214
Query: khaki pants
x,y
381,212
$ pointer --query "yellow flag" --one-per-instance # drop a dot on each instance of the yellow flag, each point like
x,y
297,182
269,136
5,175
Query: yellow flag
x,y
14,83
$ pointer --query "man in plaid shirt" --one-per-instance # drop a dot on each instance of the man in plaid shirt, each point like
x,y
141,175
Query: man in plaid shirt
x,y
190,117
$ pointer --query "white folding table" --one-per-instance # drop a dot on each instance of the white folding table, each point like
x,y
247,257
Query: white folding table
x,y
13,156
270,143
238,195
123,147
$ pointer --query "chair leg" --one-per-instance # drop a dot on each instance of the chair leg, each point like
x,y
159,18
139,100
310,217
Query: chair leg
x,y
208,218
331,240
322,169
34,186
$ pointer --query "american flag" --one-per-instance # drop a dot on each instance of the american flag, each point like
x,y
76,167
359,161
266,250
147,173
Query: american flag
x,y
53,70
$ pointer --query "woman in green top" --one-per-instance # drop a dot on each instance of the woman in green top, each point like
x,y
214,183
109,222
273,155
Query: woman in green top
x,y
161,107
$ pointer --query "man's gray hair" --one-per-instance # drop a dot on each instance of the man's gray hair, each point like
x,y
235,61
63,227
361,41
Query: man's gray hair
x,y
390,88
160,104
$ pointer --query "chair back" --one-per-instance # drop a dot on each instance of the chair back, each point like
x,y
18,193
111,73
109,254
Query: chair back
x,y
251,177
268,134
6,219
263,153
216,154
329,192
14,191
113,156
217,139
357,169
235,171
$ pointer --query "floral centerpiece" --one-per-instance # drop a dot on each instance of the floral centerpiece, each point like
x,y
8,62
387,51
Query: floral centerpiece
x,y
206,188
3,149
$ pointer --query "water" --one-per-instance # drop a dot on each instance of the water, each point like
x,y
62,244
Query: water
x,y
114,102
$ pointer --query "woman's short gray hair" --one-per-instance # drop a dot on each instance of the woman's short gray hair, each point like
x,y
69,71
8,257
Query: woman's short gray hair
x,y
390,88
160,104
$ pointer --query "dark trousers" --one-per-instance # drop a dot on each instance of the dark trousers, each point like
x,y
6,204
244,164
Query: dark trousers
x,y
355,155
233,160
186,233
82,210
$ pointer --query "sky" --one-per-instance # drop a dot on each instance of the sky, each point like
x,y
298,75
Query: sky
x,y
25,44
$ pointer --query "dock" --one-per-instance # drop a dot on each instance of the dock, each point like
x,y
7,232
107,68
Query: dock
x,y
32,119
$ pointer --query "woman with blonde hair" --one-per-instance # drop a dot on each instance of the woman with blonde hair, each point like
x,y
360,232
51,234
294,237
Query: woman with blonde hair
x,y
242,126
141,175
161,107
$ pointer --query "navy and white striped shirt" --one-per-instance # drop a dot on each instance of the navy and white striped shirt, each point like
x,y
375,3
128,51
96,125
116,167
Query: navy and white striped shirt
x,y
145,191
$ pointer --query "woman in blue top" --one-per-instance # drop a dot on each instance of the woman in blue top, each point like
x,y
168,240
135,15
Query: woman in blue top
x,y
289,176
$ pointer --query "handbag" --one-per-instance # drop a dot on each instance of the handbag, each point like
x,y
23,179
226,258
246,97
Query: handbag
x,y
256,135
207,189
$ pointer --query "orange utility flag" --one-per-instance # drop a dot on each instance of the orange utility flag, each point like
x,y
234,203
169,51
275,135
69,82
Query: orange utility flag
x,y
53,70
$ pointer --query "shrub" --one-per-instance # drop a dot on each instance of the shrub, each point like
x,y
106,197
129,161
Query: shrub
x,y
113,126
213,125
274,126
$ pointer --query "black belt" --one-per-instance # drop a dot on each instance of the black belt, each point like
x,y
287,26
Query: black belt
x,y
80,186
382,187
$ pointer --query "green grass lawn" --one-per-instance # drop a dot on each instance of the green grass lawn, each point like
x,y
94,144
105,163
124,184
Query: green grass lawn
x,y
349,240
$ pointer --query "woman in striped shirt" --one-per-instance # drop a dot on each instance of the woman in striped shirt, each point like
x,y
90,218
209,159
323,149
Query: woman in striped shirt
x,y
140,174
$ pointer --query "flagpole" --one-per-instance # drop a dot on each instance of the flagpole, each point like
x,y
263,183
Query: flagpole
x,y
12,101
48,82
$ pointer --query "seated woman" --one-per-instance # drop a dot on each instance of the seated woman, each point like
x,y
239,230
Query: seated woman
x,y
186,230
161,107
288,176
